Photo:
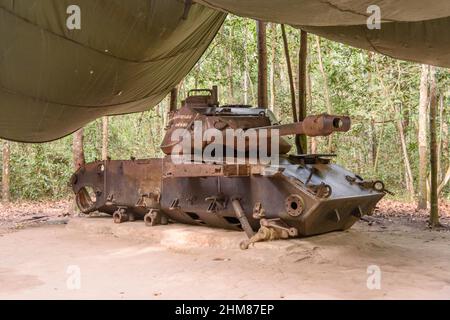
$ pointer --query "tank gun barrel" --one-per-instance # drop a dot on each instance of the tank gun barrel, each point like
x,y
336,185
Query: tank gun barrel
x,y
313,126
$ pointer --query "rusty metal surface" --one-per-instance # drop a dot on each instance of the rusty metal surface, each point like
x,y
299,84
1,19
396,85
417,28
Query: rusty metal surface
x,y
205,109
193,169
109,185
202,199
246,118
314,126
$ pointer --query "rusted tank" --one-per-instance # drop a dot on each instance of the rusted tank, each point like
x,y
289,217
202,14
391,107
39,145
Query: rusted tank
x,y
288,196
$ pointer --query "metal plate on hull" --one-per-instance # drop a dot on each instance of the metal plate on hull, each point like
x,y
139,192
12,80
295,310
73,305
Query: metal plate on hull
x,y
289,195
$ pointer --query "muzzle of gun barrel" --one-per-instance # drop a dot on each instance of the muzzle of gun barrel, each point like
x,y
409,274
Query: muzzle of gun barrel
x,y
324,125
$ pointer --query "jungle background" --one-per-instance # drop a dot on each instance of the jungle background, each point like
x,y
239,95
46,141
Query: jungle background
x,y
387,99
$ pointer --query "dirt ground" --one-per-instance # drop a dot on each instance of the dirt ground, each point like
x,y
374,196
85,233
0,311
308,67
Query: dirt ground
x,y
48,255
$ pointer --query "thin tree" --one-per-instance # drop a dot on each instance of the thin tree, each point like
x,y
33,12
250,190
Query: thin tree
x,y
445,136
325,88
105,137
229,54
408,171
312,140
373,131
78,149
252,90
262,65
5,172
444,149
434,201
444,181
246,76
197,69
374,142
402,131
441,134
303,52
377,151
291,85
173,99
422,137
273,48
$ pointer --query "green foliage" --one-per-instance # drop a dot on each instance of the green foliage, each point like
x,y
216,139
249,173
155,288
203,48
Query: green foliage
x,y
41,170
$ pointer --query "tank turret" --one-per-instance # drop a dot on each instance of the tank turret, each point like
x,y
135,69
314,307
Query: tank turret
x,y
203,113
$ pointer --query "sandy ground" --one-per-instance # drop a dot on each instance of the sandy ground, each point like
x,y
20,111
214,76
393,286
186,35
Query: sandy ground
x,y
50,259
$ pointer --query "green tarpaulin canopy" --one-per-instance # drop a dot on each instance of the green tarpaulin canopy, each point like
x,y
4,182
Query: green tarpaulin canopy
x,y
128,54
413,30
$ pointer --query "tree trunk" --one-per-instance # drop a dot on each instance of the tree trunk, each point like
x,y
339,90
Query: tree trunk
x,y
303,52
229,57
442,121
325,89
373,133
290,74
423,105
159,130
444,181
374,142
78,150
377,151
309,88
245,88
408,171
173,99
245,67
105,137
197,74
313,145
5,172
262,65
444,150
434,201
273,48
291,85
252,91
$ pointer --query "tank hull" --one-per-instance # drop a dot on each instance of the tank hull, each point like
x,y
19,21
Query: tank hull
x,y
307,195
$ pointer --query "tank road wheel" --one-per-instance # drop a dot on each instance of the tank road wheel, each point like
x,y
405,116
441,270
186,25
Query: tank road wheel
x,y
154,218
148,219
379,186
293,232
120,216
